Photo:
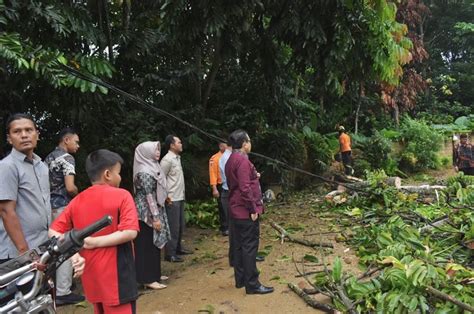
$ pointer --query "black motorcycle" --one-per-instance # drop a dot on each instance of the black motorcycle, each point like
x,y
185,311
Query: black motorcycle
x,y
26,281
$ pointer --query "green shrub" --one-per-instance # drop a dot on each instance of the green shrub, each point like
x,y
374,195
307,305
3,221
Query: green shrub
x,y
203,214
302,149
361,166
421,144
319,150
376,152
446,161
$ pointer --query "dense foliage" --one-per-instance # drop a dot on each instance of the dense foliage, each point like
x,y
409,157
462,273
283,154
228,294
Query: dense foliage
x,y
286,71
394,234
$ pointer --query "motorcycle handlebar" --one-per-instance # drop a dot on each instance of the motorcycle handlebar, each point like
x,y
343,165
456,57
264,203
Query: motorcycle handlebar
x,y
78,236
91,229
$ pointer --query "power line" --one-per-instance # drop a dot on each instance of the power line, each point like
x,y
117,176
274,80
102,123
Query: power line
x,y
95,80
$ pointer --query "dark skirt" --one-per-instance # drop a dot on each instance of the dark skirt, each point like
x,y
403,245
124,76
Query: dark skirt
x,y
147,256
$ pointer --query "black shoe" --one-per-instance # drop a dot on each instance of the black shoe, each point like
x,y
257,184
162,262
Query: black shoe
x,y
225,233
238,286
70,298
260,290
174,259
260,258
184,252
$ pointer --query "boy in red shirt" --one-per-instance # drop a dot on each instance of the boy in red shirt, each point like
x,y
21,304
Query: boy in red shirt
x,y
109,279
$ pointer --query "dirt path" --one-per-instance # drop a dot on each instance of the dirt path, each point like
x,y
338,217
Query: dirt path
x,y
204,282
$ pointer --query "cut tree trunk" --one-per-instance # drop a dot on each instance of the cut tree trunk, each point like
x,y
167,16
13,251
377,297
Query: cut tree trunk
x,y
422,189
396,182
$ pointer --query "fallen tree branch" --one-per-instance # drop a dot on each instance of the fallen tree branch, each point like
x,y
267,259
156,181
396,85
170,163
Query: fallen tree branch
x,y
284,234
304,274
370,272
348,303
310,301
310,291
446,297
310,273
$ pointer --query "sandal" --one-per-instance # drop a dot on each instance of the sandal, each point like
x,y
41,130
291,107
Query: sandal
x,y
155,286
164,278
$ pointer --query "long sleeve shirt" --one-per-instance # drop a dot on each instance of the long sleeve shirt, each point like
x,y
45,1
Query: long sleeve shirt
x,y
245,195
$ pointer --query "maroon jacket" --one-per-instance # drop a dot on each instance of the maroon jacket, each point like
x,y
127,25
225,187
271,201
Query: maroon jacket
x,y
245,196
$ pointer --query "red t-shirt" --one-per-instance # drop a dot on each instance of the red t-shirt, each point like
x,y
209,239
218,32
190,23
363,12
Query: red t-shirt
x,y
109,274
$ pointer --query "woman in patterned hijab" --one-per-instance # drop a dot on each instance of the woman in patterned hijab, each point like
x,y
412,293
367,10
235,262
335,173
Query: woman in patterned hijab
x,y
149,185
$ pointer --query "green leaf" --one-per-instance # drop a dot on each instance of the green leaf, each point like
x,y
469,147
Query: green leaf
x,y
311,258
337,270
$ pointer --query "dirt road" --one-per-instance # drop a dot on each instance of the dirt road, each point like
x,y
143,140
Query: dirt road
x,y
204,282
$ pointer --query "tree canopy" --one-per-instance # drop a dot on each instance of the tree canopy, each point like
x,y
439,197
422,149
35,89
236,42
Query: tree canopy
x,y
283,70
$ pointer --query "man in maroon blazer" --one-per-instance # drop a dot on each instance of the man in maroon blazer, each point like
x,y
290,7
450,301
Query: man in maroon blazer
x,y
246,205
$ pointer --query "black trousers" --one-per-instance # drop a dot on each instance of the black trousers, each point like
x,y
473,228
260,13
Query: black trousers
x,y
347,162
175,213
147,256
224,196
245,240
223,212
467,171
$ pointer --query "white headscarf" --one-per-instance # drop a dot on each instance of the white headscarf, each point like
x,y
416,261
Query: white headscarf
x,y
145,161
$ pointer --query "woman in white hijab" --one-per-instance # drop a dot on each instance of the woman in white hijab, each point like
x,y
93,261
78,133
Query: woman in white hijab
x,y
149,184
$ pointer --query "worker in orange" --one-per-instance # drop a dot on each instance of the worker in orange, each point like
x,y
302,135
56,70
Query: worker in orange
x,y
345,150
215,181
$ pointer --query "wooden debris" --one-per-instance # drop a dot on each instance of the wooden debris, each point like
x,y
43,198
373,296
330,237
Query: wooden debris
x,y
396,182
422,189
310,301
284,234
446,297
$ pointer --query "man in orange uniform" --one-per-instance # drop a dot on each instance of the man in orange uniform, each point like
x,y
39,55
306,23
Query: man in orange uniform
x,y
215,181
345,150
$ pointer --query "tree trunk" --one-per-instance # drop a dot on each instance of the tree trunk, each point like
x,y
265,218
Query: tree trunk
x,y
108,31
126,7
356,124
422,189
359,101
396,114
198,75
100,23
214,69
390,181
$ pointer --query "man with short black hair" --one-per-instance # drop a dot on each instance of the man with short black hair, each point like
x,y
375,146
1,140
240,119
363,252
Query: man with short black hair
x,y
24,191
246,206
62,171
463,156
172,169
215,180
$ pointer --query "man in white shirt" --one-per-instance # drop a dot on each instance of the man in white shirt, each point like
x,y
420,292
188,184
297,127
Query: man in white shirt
x,y
171,165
